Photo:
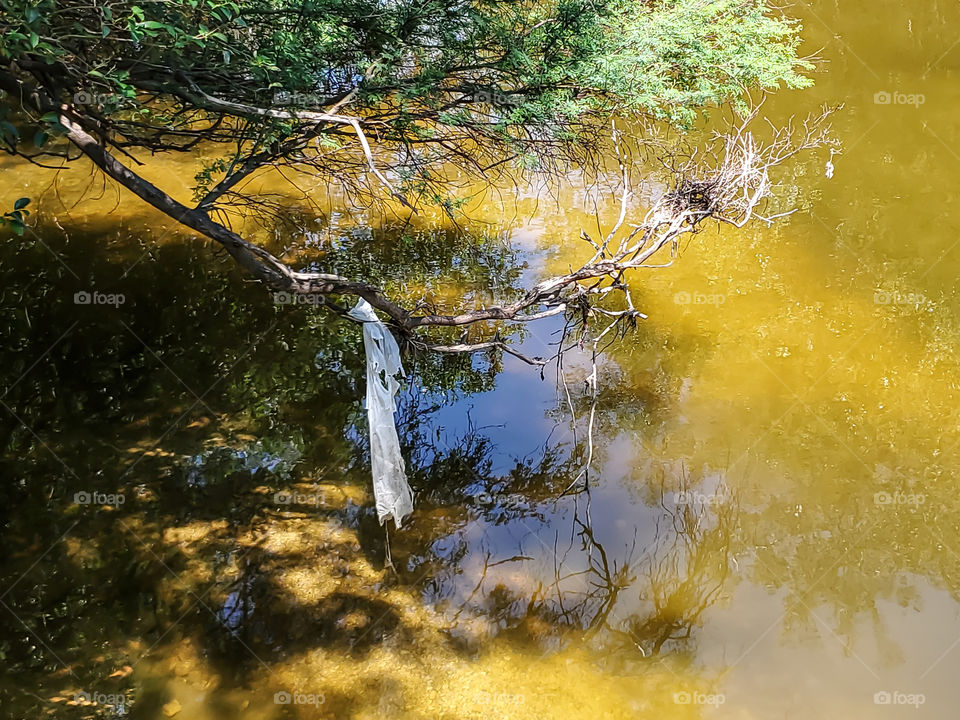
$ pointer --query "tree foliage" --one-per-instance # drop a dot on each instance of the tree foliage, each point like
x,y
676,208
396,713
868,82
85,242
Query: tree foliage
x,y
480,80
376,96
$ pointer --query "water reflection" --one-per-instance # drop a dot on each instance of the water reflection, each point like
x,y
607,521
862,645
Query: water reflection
x,y
771,515
234,545
245,558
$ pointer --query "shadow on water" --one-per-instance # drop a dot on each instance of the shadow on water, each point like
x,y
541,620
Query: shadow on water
x,y
187,499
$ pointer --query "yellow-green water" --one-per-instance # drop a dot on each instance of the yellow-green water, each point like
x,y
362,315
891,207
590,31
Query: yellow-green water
x,y
798,384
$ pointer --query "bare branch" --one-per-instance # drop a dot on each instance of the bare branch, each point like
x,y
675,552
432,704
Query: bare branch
x,y
489,345
727,181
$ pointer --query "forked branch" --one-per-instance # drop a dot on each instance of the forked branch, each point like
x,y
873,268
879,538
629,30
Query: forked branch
x,y
728,181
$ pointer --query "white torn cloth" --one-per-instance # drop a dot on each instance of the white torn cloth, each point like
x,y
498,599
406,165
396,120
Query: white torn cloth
x,y
390,487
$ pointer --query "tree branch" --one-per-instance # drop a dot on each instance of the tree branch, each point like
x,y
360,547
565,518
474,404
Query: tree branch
x,y
727,183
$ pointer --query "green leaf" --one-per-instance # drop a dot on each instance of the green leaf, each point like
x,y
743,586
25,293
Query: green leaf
x,y
40,138
21,203
34,40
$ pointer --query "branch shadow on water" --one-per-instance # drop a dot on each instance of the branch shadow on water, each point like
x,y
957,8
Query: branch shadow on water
x,y
190,504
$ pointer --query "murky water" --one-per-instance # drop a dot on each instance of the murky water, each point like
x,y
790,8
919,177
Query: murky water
x,y
772,523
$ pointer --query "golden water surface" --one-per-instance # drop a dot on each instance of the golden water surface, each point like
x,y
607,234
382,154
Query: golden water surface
x,y
772,524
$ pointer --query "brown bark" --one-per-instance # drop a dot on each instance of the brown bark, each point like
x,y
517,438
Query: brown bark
x,y
728,191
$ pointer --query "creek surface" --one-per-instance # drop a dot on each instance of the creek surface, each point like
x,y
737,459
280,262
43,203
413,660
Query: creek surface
x,y
772,523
